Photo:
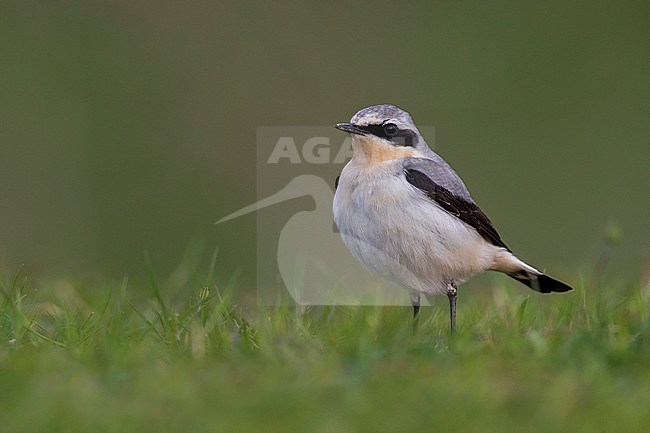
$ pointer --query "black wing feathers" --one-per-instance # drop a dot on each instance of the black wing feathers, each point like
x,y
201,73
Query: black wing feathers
x,y
466,211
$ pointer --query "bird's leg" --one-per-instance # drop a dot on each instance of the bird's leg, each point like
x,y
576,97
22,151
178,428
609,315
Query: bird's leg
x,y
451,294
415,301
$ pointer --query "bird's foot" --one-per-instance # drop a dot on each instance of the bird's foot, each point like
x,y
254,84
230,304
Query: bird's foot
x,y
415,301
452,292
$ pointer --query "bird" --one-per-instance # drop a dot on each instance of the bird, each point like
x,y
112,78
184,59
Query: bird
x,y
405,214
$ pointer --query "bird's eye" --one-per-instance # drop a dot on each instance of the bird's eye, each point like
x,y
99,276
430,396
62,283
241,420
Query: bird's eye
x,y
390,129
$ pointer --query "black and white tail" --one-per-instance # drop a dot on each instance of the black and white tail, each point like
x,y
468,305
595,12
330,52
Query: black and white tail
x,y
540,282
510,265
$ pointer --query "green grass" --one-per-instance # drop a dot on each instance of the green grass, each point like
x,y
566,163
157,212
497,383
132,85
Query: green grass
x,y
95,357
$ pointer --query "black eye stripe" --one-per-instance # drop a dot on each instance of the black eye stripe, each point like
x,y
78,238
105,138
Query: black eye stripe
x,y
402,137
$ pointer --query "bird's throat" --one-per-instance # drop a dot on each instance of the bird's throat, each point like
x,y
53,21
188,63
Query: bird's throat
x,y
369,151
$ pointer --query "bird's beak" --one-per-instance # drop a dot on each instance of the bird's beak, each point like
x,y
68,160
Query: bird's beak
x,y
351,128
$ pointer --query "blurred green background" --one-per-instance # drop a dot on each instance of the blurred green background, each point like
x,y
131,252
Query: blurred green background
x,y
131,126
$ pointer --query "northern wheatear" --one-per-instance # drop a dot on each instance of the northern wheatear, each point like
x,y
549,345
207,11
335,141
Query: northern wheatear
x,y
405,214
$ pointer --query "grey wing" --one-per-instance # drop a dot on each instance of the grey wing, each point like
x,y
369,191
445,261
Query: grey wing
x,y
441,173
450,194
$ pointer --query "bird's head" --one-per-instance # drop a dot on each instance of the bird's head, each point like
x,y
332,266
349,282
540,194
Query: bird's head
x,y
384,132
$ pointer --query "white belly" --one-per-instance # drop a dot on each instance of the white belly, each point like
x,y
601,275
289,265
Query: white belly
x,y
402,235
